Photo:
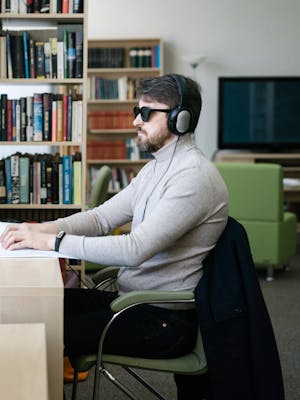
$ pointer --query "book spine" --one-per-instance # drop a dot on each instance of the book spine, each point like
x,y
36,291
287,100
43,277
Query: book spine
x,y
29,118
18,120
8,181
23,119
79,54
47,116
3,117
37,117
8,56
67,179
69,117
2,182
40,60
26,55
77,182
32,58
47,60
15,179
9,134
53,47
24,179
43,181
55,180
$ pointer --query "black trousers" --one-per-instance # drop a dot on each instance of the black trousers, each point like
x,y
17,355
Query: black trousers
x,y
143,331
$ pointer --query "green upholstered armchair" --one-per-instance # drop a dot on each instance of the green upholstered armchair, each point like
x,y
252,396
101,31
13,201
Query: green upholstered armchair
x,y
256,201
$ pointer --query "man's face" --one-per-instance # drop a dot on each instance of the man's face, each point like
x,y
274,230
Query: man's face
x,y
153,134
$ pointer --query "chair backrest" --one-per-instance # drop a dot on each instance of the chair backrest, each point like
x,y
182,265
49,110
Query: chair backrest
x,y
255,190
100,187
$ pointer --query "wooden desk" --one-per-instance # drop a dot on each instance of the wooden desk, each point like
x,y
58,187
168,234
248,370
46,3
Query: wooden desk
x,y
23,362
31,290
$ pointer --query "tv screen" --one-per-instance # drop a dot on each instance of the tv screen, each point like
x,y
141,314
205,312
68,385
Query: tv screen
x,y
259,113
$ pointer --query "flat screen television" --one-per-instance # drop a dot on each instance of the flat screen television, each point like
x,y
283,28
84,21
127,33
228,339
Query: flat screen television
x,y
259,113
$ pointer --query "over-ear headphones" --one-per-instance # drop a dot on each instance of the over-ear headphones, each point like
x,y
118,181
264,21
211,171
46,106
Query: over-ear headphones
x,y
181,119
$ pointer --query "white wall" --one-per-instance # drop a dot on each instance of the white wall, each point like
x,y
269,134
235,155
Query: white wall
x,y
238,37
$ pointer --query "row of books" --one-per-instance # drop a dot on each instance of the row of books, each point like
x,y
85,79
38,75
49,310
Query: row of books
x,y
144,57
40,179
111,119
58,57
123,88
41,117
110,57
115,149
43,6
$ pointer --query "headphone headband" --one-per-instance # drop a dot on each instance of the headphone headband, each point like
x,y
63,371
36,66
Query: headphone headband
x,y
181,119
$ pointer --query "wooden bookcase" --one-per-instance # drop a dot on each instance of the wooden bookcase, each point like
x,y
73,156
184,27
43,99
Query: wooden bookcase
x,y
41,27
114,68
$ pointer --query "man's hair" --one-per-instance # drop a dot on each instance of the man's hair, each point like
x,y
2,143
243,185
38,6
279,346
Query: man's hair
x,y
164,89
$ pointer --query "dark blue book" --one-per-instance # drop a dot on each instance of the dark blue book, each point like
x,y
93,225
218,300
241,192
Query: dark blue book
x,y
67,179
26,55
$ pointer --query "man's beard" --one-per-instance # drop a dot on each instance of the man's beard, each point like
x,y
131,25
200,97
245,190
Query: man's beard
x,y
144,144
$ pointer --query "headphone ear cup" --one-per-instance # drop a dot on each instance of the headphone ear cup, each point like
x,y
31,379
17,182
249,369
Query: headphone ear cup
x,y
183,122
179,121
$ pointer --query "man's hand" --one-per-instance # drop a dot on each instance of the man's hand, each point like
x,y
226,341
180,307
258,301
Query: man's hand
x,y
29,235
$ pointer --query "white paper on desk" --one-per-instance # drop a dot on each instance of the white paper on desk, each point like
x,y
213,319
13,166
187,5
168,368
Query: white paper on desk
x,y
28,253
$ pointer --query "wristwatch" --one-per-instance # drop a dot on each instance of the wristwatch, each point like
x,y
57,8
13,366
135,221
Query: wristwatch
x,y
58,239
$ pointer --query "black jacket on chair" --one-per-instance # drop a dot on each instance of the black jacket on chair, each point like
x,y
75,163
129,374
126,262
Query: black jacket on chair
x,y
238,338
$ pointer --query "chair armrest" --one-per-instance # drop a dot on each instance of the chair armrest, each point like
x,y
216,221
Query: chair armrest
x,y
150,296
105,273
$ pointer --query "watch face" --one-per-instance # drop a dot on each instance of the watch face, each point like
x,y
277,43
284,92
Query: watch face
x,y
60,234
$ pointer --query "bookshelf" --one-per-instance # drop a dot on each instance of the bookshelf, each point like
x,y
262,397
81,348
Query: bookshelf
x,y
114,68
43,108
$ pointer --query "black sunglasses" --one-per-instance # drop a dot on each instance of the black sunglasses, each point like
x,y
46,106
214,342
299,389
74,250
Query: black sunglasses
x,y
146,112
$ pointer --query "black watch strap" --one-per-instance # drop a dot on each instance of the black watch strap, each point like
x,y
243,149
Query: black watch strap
x,y
58,239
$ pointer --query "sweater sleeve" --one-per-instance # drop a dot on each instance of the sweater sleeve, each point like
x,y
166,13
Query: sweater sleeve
x,y
181,207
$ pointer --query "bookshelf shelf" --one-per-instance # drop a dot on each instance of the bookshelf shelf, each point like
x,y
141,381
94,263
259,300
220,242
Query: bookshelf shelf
x,y
76,207
43,17
115,67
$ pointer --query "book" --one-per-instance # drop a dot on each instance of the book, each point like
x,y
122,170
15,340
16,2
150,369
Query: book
x,y
78,54
53,118
3,58
47,116
8,180
26,55
47,60
39,60
24,179
15,179
2,182
8,56
17,55
77,179
55,179
37,117
18,119
53,52
9,134
3,98
67,179
43,180
32,58
29,118
23,119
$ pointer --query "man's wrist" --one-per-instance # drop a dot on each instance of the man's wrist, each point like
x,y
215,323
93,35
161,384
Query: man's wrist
x,y
59,237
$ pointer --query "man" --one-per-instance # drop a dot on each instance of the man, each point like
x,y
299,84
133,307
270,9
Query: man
x,y
178,206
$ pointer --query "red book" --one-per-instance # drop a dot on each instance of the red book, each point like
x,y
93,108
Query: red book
x,y
9,121
65,6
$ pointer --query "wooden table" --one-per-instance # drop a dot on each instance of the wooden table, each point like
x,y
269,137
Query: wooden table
x,y
23,362
31,290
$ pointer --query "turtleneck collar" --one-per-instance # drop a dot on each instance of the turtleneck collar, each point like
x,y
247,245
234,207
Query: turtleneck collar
x,y
177,144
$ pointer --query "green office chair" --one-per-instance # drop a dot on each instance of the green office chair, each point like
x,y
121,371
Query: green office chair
x,y
98,196
256,201
193,363
100,187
